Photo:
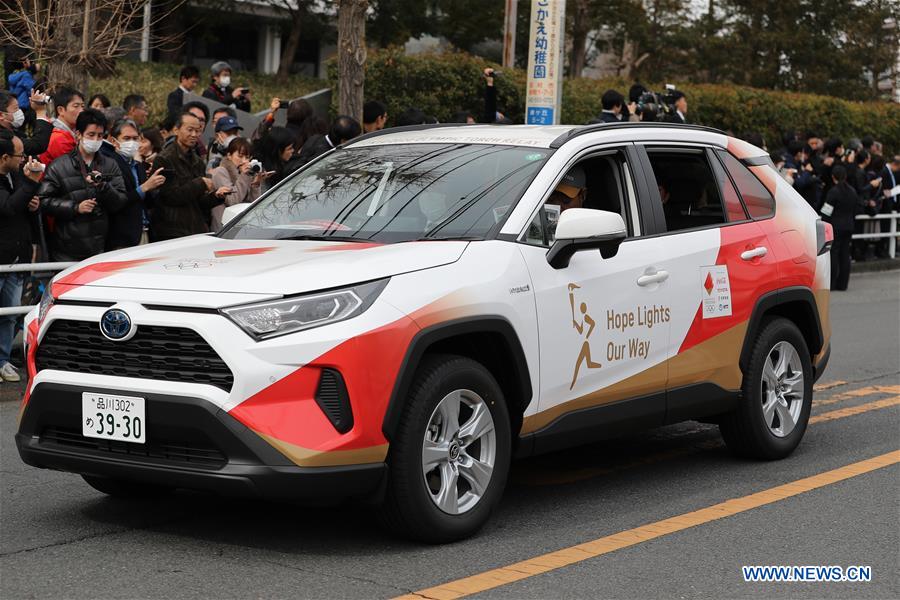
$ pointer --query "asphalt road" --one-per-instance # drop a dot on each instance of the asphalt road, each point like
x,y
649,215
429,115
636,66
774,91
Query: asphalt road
x,y
59,538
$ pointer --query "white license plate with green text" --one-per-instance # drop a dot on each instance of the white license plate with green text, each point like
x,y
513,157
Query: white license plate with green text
x,y
113,417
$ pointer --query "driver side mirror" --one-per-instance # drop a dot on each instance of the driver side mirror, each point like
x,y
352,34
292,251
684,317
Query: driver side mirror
x,y
586,229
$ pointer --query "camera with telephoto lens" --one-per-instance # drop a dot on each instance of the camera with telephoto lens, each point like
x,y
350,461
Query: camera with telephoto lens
x,y
255,167
654,106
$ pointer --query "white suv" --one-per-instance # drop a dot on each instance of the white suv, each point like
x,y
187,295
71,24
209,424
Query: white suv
x,y
403,316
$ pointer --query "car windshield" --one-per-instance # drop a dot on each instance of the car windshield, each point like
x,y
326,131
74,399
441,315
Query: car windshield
x,y
395,193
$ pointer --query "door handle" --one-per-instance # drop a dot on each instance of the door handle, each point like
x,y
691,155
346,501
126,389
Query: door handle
x,y
757,252
652,278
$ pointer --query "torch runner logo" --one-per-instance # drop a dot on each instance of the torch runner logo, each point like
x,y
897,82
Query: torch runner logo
x,y
585,355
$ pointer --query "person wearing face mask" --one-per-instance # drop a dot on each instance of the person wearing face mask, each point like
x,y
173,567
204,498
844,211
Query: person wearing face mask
x,y
127,227
234,172
227,129
18,204
80,190
220,89
12,118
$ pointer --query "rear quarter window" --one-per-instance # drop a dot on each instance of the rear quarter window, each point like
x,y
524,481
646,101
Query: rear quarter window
x,y
759,202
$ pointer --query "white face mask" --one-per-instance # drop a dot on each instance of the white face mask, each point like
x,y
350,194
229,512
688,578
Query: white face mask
x,y
18,119
91,146
128,149
227,141
225,80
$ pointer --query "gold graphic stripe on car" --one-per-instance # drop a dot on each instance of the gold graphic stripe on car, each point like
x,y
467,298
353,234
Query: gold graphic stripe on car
x,y
714,360
578,553
304,457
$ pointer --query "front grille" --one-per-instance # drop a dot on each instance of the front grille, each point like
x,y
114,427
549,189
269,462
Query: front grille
x,y
155,352
195,454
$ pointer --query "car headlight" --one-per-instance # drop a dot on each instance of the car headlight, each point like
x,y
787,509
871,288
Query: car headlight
x,y
47,301
290,315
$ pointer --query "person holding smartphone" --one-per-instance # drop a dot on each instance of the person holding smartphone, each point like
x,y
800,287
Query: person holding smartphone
x,y
220,88
18,204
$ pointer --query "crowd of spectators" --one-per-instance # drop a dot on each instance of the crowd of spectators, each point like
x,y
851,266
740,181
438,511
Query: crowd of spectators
x,y
79,177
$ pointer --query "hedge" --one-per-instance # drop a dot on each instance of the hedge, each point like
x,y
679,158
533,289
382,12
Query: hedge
x,y
155,80
443,83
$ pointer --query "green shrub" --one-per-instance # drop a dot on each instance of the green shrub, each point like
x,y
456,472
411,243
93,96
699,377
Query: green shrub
x,y
444,83
155,80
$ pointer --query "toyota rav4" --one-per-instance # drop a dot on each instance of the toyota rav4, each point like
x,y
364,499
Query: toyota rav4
x,y
402,317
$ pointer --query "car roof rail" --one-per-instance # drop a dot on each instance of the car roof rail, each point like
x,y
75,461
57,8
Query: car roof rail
x,y
595,127
401,129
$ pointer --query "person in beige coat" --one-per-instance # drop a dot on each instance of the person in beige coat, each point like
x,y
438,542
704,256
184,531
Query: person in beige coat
x,y
234,172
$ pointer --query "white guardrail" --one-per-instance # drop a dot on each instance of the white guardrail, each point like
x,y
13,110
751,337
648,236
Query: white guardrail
x,y
53,267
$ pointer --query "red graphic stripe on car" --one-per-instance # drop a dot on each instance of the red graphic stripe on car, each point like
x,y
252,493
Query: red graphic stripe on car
x,y
31,340
369,363
93,272
242,251
346,246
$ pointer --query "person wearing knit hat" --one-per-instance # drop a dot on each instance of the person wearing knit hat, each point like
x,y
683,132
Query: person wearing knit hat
x,y
220,88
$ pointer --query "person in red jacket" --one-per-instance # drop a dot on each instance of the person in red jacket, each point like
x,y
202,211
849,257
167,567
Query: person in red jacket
x,y
68,104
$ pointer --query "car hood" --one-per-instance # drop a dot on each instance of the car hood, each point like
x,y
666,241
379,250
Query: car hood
x,y
206,263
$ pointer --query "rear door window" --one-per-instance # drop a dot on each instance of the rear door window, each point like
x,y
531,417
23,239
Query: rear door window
x,y
759,202
688,189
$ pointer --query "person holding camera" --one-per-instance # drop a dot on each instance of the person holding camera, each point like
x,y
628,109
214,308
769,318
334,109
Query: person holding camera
x,y
238,172
12,119
18,204
80,190
227,129
220,89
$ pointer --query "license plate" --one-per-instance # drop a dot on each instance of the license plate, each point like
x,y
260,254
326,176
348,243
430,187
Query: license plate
x,y
113,417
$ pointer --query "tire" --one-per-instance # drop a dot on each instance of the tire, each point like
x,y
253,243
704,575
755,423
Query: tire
x,y
123,488
751,430
410,508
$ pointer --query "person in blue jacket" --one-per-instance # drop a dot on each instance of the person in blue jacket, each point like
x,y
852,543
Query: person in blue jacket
x,y
22,82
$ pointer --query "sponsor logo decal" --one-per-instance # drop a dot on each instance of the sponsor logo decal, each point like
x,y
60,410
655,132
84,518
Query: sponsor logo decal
x,y
193,263
716,291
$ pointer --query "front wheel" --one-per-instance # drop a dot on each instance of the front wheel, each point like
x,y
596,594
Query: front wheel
x,y
450,456
777,395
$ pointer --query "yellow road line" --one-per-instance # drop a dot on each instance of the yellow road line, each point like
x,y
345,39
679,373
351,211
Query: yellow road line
x,y
574,554
859,393
564,476
855,410
819,387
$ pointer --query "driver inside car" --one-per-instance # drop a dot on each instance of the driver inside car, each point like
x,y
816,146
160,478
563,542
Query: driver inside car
x,y
571,190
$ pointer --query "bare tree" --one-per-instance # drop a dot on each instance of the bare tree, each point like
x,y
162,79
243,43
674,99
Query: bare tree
x,y
296,9
76,39
351,56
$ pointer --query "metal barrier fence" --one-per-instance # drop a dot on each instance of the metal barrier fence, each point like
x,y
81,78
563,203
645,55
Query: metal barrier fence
x,y
53,267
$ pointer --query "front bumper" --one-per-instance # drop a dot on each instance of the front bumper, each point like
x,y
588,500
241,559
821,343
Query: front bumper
x,y
191,444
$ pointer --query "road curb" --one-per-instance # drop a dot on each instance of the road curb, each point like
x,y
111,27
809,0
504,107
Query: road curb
x,y
876,266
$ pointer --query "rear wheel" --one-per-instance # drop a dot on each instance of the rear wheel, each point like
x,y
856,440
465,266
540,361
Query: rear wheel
x,y
450,456
777,395
123,488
